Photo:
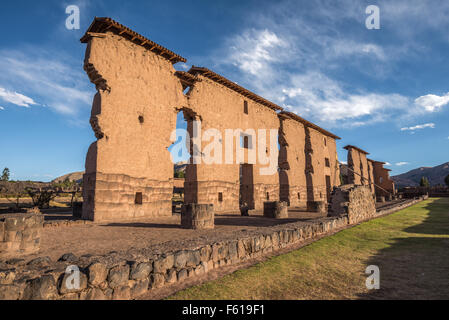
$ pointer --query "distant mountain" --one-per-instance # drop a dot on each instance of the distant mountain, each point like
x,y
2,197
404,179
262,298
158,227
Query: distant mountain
x,y
412,178
74,176
180,166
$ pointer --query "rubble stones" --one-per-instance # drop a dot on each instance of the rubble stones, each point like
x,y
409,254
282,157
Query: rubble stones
x,y
118,276
97,273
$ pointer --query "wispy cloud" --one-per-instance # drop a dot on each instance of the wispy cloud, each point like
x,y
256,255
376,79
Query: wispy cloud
x,y
387,164
54,81
301,61
432,102
16,98
1,108
400,164
419,127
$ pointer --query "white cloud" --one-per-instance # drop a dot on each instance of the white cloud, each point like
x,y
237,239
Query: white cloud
x,y
321,98
419,127
290,60
16,98
55,81
432,102
387,164
400,164
254,50
1,108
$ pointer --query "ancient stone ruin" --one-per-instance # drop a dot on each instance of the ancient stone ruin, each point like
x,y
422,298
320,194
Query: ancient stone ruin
x,y
20,234
363,171
129,171
355,202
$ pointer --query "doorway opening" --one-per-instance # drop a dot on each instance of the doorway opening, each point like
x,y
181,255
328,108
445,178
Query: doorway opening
x,y
247,185
328,188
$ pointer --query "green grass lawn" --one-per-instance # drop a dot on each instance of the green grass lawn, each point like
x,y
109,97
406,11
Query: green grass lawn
x,y
411,248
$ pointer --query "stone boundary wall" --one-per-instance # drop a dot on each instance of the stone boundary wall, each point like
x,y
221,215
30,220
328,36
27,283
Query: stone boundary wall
x,y
117,277
355,202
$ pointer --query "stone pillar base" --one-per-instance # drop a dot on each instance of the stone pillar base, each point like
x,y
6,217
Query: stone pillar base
x,y
317,206
275,210
381,199
197,216
20,234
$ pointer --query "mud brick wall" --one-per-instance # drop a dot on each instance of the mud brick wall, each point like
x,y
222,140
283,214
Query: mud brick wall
x,y
292,163
382,179
358,163
221,108
355,202
133,115
307,160
20,234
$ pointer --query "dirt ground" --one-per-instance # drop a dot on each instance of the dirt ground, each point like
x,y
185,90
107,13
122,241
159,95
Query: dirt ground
x,y
159,234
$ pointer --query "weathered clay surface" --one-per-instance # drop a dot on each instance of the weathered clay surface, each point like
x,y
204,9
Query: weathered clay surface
x,y
129,172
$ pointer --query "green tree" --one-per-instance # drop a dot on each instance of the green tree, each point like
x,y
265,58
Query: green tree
x,y
5,175
446,180
424,182
180,174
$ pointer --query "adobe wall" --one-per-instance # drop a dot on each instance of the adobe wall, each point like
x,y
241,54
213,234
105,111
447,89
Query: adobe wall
x,y
221,108
133,114
302,160
382,179
371,178
358,163
292,175
323,147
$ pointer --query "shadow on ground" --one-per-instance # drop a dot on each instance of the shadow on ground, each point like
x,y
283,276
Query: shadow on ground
x,y
416,267
225,220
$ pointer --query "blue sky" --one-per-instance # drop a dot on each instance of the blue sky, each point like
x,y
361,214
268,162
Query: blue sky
x,y
386,90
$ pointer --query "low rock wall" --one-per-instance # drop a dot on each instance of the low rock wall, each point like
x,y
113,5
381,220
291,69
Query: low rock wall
x,y
116,276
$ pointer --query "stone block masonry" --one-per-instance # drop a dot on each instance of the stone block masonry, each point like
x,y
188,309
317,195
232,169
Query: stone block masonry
x,y
355,202
275,210
20,234
197,216
129,275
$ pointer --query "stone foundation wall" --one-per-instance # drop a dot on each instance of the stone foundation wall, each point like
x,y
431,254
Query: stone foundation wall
x,y
116,277
126,276
20,234
355,202
208,192
114,197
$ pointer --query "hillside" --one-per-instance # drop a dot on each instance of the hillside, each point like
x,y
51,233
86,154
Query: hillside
x,y
74,176
435,175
